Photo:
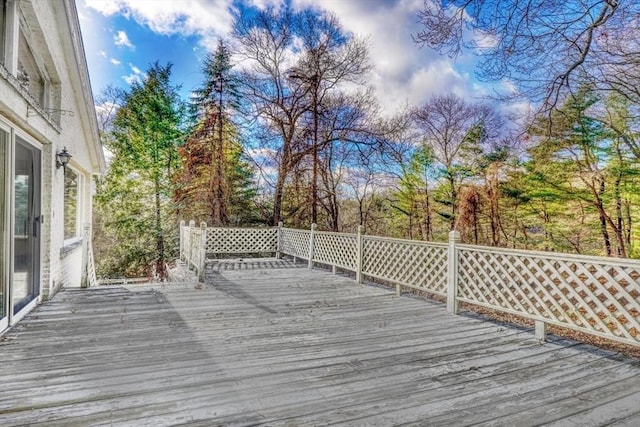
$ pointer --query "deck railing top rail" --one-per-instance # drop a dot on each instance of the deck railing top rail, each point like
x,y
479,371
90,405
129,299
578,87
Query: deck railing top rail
x,y
553,255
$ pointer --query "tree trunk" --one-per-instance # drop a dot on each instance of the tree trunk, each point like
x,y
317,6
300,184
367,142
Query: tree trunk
x,y
454,199
546,219
314,182
494,209
334,214
427,202
629,223
213,187
605,233
476,225
160,270
602,216
619,229
221,194
277,197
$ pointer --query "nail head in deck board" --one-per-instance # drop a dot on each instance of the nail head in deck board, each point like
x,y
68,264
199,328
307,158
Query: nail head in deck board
x,y
264,342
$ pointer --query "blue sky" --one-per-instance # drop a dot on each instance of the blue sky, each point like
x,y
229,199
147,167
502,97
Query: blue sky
x,y
122,37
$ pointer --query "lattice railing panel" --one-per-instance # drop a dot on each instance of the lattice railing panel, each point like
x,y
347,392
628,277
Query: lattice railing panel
x,y
411,263
295,242
241,240
336,249
596,295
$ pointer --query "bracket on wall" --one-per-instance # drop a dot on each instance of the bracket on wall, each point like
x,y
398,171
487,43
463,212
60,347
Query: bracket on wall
x,y
34,112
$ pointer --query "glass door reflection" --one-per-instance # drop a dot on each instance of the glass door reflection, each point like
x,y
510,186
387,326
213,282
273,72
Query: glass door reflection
x,y
26,268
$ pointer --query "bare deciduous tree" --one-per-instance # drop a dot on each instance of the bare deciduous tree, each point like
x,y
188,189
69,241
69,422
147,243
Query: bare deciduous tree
x,y
265,40
455,129
296,67
107,104
547,48
330,60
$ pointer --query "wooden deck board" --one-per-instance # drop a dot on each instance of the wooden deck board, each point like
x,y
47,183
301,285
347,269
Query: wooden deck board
x,y
275,345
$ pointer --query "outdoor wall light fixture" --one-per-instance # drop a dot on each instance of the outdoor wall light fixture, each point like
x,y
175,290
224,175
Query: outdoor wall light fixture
x,y
62,158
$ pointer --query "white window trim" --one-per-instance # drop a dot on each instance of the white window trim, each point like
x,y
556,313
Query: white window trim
x,y
7,243
73,241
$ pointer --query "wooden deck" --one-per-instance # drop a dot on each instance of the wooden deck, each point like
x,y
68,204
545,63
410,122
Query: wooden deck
x,y
267,343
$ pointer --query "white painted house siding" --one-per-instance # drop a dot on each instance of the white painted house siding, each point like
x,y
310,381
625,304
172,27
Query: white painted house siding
x,y
67,119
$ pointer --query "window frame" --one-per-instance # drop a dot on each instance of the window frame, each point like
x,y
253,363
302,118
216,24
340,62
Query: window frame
x,y
77,236
15,25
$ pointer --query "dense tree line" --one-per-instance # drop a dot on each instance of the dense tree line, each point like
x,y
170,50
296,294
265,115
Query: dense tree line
x,y
285,128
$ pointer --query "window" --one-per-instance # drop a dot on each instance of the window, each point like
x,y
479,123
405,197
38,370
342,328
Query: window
x,y
24,54
29,73
71,203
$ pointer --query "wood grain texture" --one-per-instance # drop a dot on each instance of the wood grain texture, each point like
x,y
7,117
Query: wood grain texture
x,y
264,342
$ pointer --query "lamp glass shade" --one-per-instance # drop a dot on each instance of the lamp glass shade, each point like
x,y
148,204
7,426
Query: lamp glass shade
x,y
63,157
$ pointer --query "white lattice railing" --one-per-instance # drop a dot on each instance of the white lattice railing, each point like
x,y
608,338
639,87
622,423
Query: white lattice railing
x,y
599,296
198,242
336,249
294,242
192,246
241,240
413,264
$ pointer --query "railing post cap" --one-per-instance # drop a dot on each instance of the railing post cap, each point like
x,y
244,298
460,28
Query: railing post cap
x,y
280,224
454,236
360,229
182,222
314,226
203,224
192,223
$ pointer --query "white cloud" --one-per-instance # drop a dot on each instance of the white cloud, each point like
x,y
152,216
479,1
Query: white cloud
x,y
114,61
136,70
136,75
519,113
122,39
106,111
509,86
485,40
263,4
131,79
403,74
439,77
204,18
103,53
106,7
261,153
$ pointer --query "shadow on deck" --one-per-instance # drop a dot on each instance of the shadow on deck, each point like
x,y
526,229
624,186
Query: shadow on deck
x,y
266,342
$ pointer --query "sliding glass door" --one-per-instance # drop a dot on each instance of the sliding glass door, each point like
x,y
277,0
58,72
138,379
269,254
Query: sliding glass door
x,y
26,237
5,245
